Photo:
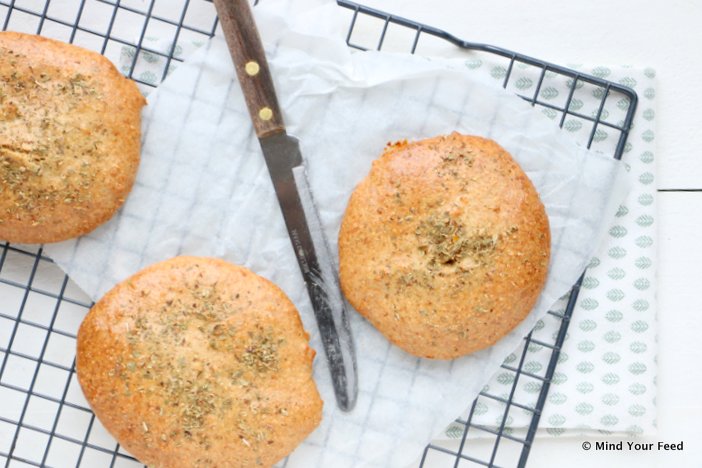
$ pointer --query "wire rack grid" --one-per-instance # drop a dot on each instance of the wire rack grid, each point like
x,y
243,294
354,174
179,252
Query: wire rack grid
x,y
417,34
44,419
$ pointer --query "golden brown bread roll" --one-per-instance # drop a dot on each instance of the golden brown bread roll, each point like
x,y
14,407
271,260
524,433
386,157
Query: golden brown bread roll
x,y
444,246
69,139
197,362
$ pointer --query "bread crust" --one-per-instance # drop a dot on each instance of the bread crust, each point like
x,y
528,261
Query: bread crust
x,y
69,139
444,247
198,362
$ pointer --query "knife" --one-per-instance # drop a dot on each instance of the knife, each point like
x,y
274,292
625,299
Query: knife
x,y
285,166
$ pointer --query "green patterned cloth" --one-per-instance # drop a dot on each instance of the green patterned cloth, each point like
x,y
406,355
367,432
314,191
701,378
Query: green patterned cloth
x,y
150,66
605,381
606,377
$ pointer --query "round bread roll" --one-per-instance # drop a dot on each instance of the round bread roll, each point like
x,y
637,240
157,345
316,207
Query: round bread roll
x,y
198,362
69,139
444,246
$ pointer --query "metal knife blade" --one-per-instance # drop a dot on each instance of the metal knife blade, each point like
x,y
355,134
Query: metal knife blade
x,y
284,161
285,165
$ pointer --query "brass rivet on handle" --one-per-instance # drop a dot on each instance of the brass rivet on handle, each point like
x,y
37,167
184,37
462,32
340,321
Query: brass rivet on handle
x,y
265,113
252,68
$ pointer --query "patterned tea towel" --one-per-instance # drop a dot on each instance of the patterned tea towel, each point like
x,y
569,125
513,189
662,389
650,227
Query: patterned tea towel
x,y
606,377
605,381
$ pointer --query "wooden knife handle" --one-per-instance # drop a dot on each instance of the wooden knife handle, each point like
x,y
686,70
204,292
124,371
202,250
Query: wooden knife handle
x,y
251,66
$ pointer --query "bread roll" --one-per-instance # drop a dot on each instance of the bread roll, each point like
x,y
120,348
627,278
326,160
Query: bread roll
x,y
69,139
444,246
197,362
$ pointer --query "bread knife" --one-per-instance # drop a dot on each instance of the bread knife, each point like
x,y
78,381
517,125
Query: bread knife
x,y
285,166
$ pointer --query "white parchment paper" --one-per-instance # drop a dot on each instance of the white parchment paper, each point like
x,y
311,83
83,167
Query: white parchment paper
x,y
203,189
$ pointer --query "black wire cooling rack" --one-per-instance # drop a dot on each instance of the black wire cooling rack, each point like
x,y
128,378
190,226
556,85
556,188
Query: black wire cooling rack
x,y
44,419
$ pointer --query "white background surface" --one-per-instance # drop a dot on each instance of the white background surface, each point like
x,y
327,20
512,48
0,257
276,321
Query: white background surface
x,y
667,37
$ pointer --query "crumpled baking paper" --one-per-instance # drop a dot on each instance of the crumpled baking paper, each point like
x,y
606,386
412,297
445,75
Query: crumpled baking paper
x,y
203,189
